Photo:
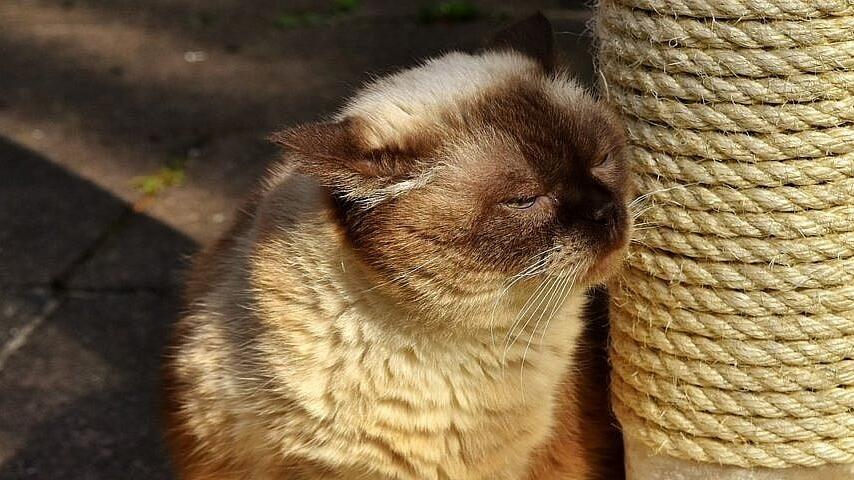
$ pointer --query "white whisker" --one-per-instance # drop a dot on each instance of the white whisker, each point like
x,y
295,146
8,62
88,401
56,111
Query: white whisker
x,y
546,295
573,276
637,201
519,316
542,259
559,286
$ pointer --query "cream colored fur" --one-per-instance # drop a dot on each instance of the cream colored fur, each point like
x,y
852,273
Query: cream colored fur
x,y
399,104
299,361
409,102
300,356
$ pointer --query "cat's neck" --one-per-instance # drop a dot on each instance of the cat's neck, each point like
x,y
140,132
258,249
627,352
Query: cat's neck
x,y
513,327
313,269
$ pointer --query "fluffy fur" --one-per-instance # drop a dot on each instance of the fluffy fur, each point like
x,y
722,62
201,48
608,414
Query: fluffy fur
x,y
403,298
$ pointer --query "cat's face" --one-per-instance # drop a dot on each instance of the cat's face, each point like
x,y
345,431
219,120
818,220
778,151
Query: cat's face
x,y
450,184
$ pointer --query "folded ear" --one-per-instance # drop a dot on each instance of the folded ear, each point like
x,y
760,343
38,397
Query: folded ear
x,y
532,36
337,156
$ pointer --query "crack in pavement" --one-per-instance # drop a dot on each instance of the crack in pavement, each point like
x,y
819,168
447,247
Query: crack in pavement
x,y
111,228
57,290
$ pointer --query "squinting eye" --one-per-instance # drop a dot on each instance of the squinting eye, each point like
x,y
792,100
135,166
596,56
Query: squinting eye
x,y
521,203
601,161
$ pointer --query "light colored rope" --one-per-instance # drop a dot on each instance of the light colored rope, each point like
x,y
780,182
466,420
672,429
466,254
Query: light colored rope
x,y
732,336
737,428
768,353
788,379
742,454
745,9
743,147
688,32
747,404
748,249
733,117
744,175
783,225
838,300
769,90
744,277
724,198
717,325
721,62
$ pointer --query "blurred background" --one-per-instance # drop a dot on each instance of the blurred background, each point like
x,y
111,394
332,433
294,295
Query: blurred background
x,y
130,130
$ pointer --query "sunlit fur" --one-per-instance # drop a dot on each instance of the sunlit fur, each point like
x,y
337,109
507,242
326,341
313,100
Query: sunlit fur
x,y
398,323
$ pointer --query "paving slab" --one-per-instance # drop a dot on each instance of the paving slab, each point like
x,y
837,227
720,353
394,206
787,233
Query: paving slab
x,y
106,89
49,217
143,253
21,313
79,399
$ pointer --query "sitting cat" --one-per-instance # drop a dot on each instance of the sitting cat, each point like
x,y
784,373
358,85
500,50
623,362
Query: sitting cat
x,y
403,298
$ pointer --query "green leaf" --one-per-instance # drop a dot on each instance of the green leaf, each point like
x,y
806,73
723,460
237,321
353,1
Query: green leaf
x,y
159,181
345,6
287,21
451,11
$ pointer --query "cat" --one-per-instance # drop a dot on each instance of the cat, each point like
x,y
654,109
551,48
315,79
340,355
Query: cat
x,y
403,297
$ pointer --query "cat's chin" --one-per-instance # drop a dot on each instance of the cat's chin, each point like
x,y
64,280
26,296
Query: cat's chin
x,y
605,266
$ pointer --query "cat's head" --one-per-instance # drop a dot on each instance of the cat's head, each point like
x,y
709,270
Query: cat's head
x,y
454,177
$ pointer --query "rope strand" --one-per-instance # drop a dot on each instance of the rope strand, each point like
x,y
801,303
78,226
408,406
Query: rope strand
x,y
732,337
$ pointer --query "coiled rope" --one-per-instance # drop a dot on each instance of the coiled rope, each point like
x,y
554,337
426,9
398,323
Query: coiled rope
x,y
733,322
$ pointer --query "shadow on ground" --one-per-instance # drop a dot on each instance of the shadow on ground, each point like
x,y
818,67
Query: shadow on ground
x,y
93,95
79,393
114,73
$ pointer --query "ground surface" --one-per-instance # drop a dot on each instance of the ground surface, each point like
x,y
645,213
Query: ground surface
x,y
102,101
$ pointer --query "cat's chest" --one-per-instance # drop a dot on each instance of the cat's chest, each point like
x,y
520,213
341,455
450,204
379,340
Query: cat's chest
x,y
468,411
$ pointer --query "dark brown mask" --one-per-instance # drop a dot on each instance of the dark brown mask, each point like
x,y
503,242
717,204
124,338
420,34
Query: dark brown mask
x,y
454,176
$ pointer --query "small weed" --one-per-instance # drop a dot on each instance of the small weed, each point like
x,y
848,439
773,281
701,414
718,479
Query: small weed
x,y
289,20
345,6
450,12
292,20
168,176
204,19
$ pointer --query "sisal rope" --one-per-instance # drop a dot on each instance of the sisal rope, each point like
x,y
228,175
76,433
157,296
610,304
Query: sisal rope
x,y
733,322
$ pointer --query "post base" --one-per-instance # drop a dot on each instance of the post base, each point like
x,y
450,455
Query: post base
x,y
644,464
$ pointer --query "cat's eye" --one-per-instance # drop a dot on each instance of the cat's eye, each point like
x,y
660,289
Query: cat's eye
x,y
601,161
521,203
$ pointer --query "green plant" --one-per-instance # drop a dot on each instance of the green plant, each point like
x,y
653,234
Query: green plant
x,y
450,11
288,20
168,176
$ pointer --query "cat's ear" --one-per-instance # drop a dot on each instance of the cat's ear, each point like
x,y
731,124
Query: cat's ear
x,y
532,36
337,156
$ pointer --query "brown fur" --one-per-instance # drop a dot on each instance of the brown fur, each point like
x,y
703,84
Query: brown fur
x,y
587,444
556,144
411,226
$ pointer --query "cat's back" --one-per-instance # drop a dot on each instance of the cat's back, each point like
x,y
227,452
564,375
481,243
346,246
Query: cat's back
x,y
285,205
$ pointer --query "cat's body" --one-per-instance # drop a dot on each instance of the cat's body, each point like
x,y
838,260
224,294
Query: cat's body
x,y
340,332
373,384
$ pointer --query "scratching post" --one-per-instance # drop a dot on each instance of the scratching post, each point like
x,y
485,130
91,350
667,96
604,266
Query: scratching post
x,y
733,323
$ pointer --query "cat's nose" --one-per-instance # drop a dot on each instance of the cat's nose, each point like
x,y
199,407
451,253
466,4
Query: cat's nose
x,y
604,212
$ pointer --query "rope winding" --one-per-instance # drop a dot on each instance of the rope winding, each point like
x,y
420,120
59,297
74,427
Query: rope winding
x,y
733,322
